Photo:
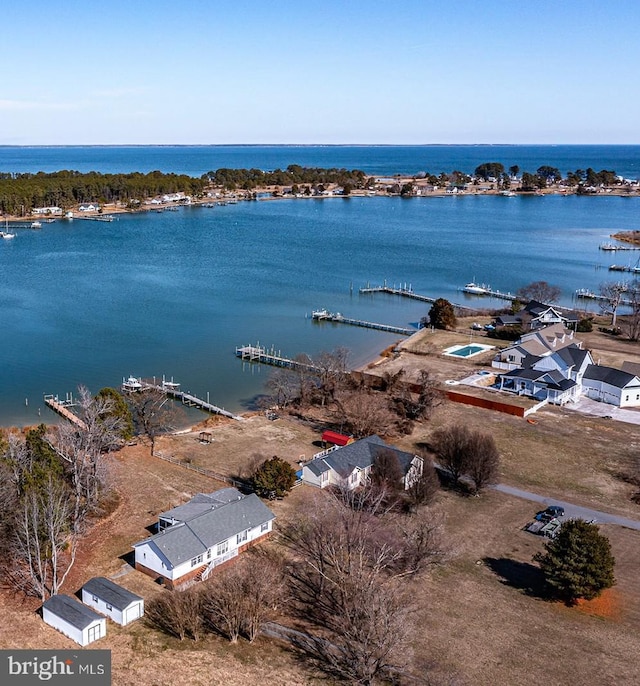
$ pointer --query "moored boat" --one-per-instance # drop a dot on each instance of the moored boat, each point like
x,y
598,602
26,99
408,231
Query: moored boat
x,y
476,289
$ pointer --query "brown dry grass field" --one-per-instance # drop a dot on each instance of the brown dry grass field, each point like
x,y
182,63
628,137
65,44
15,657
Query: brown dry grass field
x,y
480,616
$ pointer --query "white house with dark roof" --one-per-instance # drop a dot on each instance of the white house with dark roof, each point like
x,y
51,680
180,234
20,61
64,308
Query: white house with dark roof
x,y
548,364
73,619
612,386
196,537
350,466
112,600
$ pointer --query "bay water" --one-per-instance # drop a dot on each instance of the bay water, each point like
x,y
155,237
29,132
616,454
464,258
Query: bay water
x,y
174,293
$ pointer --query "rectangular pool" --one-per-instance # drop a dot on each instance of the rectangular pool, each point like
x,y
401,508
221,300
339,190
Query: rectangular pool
x,y
467,350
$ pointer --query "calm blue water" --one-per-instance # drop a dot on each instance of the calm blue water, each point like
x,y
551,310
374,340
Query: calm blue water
x,y
378,160
175,293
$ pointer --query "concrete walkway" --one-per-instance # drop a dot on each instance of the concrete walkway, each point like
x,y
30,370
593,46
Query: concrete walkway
x,y
596,409
571,511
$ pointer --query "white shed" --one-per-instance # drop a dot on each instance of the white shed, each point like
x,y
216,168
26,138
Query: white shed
x,y
73,619
112,600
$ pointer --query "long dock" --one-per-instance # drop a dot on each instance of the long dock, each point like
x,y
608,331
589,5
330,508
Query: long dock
x,y
406,292
621,268
62,408
323,315
491,293
590,295
172,390
97,218
258,353
402,291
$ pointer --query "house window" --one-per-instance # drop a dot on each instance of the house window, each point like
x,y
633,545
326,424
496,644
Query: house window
x,y
626,397
196,561
511,358
324,476
109,607
354,477
209,554
222,548
241,537
264,526
94,598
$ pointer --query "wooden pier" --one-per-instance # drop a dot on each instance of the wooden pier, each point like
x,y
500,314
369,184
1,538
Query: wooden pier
x,y
97,218
323,315
586,294
613,247
621,268
405,292
172,390
489,292
259,354
61,407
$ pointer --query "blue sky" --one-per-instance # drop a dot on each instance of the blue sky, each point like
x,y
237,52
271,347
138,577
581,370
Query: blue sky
x,y
360,72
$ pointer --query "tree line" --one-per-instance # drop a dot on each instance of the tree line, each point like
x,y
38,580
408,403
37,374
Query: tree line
x,y
294,174
21,193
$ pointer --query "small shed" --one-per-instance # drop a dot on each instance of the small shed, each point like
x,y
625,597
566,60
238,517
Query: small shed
x,y
70,617
335,438
112,600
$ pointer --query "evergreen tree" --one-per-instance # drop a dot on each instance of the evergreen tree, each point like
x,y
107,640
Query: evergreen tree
x,y
442,314
273,478
578,562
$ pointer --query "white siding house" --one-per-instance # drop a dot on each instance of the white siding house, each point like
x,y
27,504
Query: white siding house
x,y
612,386
112,600
350,466
73,619
196,537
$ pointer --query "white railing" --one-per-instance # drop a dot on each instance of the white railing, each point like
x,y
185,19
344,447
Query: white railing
x,y
218,561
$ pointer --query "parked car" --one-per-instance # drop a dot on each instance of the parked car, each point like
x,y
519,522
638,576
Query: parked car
x,y
550,513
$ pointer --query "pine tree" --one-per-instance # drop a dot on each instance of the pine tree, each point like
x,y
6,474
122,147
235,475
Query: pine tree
x,y
578,562
442,315
274,478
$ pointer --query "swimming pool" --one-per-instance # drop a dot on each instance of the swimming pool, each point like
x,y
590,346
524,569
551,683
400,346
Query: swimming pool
x,y
465,351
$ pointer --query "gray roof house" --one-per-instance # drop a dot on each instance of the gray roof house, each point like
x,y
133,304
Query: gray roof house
x,y
548,364
112,600
73,619
200,535
350,466
612,386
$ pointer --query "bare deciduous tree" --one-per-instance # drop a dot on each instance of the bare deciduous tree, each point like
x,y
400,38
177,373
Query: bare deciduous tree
x,y
239,599
45,547
346,583
283,386
364,412
612,294
153,413
451,444
423,490
177,613
541,291
484,461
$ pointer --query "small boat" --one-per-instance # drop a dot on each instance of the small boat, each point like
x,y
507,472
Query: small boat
x,y
5,234
36,225
475,288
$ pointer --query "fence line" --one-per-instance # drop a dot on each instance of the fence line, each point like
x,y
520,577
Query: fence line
x,y
201,470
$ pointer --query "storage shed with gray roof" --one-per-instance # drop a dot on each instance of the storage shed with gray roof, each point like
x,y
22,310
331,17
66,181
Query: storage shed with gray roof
x,y
73,619
107,597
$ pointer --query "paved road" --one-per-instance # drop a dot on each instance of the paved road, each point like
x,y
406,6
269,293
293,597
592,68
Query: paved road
x,y
570,510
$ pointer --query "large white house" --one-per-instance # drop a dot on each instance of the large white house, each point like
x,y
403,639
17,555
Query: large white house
x,y
350,466
196,537
548,364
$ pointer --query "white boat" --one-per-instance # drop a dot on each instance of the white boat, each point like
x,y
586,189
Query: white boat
x,y
131,384
5,234
475,288
36,225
